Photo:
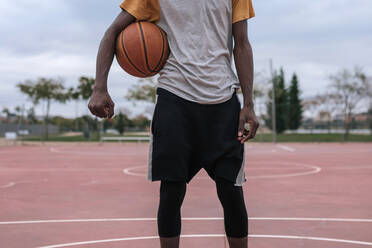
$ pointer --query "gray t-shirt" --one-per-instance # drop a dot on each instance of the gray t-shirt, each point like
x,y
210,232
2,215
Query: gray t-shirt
x,y
200,38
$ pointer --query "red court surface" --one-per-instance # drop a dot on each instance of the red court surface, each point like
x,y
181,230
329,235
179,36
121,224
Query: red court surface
x,y
88,195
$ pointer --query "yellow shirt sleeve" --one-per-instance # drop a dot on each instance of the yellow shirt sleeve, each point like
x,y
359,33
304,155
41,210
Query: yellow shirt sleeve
x,y
142,10
242,10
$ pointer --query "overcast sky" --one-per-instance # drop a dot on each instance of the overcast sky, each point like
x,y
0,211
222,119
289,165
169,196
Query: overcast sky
x,y
60,38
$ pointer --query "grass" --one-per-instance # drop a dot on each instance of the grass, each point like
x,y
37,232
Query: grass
x,y
334,137
94,137
259,138
60,138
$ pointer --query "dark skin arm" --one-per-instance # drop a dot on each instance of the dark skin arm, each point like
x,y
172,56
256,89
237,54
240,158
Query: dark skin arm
x,y
100,103
243,58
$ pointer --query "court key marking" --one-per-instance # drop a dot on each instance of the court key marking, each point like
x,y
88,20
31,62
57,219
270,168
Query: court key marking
x,y
313,170
201,235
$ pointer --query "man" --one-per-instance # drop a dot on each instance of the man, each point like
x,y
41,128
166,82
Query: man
x,y
198,121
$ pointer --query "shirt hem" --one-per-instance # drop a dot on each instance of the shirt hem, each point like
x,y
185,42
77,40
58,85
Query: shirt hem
x,y
241,18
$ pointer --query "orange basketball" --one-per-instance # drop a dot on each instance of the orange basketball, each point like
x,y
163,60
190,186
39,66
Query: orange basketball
x,y
142,49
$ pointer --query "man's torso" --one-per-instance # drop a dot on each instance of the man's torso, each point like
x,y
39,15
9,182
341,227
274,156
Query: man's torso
x,y
200,39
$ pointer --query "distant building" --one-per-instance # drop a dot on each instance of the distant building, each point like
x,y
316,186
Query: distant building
x,y
323,116
361,117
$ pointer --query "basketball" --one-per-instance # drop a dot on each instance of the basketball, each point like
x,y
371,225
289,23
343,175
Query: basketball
x,y
142,49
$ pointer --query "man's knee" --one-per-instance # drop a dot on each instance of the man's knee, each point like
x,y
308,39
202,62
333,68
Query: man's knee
x,y
173,190
227,189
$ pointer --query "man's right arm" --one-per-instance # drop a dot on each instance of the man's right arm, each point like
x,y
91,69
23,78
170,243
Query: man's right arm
x,y
100,103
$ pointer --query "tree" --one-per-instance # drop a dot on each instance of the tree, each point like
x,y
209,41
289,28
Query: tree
x,y
89,123
19,113
294,106
120,123
31,116
141,122
281,103
370,119
47,90
312,107
144,91
83,91
369,95
64,124
326,105
85,88
349,89
7,114
106,124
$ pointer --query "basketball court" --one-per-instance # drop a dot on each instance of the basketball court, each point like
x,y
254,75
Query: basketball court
x,y
91,195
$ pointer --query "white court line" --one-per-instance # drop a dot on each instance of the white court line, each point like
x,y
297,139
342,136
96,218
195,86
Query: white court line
x,y
11,184
186,219
256,151
351,167
7,185
313,170
59,169
213,235
55,150
286,148
90,182
128,171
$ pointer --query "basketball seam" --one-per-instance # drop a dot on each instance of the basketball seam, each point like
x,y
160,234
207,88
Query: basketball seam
x,y
162,51
126,55
144,48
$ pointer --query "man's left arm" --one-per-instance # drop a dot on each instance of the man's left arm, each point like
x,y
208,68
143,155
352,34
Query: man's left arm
x,y
243,58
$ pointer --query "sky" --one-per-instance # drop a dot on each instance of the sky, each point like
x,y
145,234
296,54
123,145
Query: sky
x,y
60,38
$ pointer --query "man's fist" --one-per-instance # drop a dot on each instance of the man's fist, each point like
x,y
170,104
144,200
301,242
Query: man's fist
x,y
247,116
101,105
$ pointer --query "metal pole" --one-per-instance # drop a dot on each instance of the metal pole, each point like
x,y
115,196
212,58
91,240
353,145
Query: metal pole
x,y
22,121
273,108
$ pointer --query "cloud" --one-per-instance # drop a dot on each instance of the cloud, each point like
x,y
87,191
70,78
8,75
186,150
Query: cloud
x,y
51,64
61,37
312,38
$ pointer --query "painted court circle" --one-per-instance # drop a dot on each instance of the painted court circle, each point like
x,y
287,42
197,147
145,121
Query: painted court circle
x,y
309,169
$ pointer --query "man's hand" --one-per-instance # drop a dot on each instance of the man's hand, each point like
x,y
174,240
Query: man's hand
x,y
101,105
247,116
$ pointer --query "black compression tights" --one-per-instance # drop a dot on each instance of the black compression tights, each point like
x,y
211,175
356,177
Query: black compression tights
x,y
235,213
231,197
169,212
